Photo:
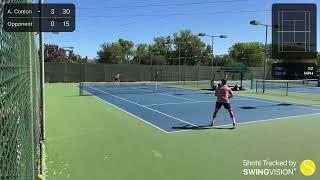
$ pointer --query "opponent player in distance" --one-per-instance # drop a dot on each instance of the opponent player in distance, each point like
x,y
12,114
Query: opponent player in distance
x,y
224,95
117,77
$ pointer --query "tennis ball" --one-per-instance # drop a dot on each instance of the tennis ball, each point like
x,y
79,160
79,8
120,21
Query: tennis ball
x,y
308,167
40,177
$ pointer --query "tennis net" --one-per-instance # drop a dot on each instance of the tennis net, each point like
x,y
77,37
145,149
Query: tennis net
x,y
110,88
286,84
298,90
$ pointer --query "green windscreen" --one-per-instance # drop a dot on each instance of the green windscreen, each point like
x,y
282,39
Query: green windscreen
x,y
19,104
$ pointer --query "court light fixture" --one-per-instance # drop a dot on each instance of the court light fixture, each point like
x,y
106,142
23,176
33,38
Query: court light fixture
x,y
212,53
255,23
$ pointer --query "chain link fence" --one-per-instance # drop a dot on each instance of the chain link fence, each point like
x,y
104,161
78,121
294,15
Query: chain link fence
x,y
64,72
19,104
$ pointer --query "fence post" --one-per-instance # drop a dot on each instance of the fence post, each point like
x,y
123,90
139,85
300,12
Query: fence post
x,y
251,83
85,72
198,70
65,72
105,73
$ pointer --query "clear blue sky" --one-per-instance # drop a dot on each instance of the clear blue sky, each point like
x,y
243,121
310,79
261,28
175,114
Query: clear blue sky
x,y
99,21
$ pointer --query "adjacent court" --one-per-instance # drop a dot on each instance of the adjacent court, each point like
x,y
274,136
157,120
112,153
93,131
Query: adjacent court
x,y
306,86
172,108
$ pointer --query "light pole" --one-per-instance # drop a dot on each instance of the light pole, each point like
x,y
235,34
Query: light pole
x,y
179,47
256,23
168,50
212,53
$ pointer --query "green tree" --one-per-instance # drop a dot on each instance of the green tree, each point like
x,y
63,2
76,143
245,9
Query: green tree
x,y
119,52
223,60
159,51
53,53
110,53
141,54
127,49
75,58
161,46
190,45
159,60
249,54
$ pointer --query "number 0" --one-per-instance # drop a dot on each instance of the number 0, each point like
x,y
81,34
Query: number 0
x,y
52,23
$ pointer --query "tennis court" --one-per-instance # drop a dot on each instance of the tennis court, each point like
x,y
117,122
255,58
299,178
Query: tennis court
x,y
310,86
133,132
173,108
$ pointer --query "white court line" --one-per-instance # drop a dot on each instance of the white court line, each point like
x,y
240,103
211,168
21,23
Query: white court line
x,y
177,97
192,102
195,102
124,99
166,95
270,102
254,122
237,98
128,112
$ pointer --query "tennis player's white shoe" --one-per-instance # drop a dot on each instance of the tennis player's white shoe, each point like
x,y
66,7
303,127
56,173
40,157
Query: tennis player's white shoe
x,y
235,125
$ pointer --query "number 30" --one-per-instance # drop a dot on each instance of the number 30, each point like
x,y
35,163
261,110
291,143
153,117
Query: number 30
x,y
66,11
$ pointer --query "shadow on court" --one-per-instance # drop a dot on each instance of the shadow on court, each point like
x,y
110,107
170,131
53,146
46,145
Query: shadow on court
x,y
227,128
281,104
190,127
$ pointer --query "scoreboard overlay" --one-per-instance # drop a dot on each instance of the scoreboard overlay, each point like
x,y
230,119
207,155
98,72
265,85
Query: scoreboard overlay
x,y
39,17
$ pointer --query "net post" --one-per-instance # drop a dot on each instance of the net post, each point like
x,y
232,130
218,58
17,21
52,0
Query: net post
x,y
251,84
257,86
105,73
263,86
80,88
287,90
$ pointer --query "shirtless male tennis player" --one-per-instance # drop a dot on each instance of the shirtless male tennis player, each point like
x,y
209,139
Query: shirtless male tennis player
x,y
224,94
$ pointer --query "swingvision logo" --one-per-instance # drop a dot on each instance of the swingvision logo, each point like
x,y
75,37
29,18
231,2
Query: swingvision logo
x,y
308,167
269,167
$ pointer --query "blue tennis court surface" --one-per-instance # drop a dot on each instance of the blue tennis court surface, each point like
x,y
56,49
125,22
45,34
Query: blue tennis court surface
x,y
304,90
296,86
186,109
